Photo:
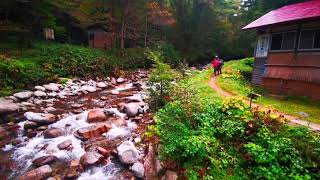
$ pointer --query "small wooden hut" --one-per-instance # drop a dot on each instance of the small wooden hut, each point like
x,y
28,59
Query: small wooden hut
x,y
287,51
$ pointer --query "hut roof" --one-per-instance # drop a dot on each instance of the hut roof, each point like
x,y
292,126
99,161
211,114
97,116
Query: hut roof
x,y
291,13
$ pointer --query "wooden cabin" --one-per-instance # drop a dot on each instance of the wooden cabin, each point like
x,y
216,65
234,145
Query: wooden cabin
x,y
100,38
287,51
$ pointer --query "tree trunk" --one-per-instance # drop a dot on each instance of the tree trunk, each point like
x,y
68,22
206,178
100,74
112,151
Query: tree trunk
x,y
146,32
123,23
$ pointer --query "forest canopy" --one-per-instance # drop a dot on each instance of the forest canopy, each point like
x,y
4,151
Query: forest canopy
x,y
199,28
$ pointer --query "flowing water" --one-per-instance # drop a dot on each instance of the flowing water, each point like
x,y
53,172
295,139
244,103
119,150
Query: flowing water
x,y
18,150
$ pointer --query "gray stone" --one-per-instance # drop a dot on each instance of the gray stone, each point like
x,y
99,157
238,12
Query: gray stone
x,y
23,95
40,88
138,170
303,114
128,154
91,158
7,106
120,80
44,160
51,87
40,94
132,109
102,85
65,145
41,119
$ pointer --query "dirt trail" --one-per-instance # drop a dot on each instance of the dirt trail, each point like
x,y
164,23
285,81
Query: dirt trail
x,y
293,120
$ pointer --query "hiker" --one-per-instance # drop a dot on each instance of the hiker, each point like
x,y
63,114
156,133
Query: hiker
x,y
221,63
215,64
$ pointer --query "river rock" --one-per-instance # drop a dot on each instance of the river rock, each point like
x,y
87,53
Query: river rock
x,y
102,85
53,94
37,174
96,116
132,109
51,87
115,92
91,158
40,94
40,118
89,88
65,145
138,170
127,152
30,125
92,131
120,80
103,152
40,88
53,133
74,169
134,99
44,160
23,95
7,106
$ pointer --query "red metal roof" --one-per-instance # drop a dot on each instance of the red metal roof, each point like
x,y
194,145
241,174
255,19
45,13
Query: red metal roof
x,y
294,12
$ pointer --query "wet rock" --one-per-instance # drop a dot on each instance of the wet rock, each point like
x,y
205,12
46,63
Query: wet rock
x,y
40,94
37,174
121,80
134,99
74,169
138,170
53,133
3,132
170,175
28,104
40,118
44,160
7,106
66,145
89,88
91,158
92,131
23,95
127,152
115,92
30,125
51,87
50,109
53,94
40,88
104,98
96,116
103,152
102,85
132,109
31,133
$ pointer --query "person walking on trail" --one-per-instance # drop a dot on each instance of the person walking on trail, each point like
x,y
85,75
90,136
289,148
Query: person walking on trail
x,y
215,64
220,66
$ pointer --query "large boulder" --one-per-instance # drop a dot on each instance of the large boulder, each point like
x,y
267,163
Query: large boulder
x,y
40,173
7,106
132,109
40,94
23,95
53,133
51,87
96,116
127,152
40,118
91,131
138,170
91,158
65,145
44,160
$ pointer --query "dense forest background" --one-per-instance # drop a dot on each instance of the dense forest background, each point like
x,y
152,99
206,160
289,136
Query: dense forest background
x,y
198,28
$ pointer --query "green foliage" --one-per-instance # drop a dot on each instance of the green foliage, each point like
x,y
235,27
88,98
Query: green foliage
x,y
211,140
133,58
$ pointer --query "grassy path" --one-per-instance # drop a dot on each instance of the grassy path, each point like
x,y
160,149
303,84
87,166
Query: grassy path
x,y
293,120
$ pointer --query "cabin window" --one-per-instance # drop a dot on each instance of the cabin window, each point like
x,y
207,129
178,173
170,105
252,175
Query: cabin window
x,y
283,41
310,39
